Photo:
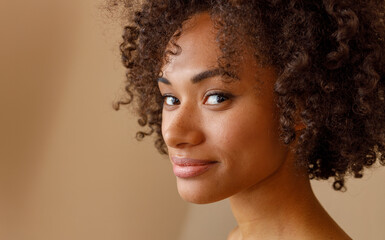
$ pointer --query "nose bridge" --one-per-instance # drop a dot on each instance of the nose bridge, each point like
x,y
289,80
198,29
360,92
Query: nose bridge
x,y
184,116
182,127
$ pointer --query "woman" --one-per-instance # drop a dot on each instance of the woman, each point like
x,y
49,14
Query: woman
x,y
251,99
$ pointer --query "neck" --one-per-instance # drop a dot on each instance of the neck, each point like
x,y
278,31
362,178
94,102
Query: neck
x,y
282,206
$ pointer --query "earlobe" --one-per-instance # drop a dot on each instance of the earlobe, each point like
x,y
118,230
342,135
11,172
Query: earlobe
x,y
299,125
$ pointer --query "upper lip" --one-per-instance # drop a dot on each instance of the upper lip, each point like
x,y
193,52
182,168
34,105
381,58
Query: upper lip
x,y
182,161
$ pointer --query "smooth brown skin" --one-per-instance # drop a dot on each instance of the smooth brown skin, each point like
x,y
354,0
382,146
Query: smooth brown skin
x,y
270,199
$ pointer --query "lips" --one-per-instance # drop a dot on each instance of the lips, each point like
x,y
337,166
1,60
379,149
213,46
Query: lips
x,y
188,167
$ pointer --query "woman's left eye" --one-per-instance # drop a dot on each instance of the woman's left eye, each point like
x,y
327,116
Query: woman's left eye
x,y
216,98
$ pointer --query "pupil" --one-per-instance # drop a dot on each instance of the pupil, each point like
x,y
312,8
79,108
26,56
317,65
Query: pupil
x,y
220,98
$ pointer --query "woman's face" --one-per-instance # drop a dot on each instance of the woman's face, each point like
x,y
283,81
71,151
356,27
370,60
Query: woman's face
x,y
222,137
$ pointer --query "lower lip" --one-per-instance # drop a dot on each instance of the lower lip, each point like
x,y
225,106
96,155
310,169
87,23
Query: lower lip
x,y
191,171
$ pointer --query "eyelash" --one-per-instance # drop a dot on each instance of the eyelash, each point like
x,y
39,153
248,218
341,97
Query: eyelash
x,y
225,96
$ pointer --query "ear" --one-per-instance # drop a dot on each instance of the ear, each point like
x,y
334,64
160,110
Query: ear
x,y
299,125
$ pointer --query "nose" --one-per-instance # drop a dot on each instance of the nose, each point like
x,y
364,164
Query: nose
x,y
182,128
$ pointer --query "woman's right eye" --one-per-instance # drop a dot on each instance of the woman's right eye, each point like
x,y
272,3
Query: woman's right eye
x,y
170,100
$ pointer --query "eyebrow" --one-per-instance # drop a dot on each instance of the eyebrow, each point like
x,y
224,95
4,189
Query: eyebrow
x,y
197,78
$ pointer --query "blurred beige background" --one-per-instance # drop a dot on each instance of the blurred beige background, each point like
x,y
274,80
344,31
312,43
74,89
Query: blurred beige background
x,y
70,167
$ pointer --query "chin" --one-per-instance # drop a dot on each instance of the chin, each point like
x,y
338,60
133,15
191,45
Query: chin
x,y
194,192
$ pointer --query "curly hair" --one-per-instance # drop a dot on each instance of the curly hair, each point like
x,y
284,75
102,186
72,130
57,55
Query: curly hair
x,y
329,56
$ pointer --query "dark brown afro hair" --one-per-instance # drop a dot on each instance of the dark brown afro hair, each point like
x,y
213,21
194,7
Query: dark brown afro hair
x,y
329,56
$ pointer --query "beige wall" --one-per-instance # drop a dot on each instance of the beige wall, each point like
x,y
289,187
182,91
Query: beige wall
x,y
69,165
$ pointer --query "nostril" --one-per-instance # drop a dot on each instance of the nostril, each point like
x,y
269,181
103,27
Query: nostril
x,y
181,145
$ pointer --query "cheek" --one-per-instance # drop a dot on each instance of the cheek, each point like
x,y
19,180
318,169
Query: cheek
x,y
166,121
163,122
246,140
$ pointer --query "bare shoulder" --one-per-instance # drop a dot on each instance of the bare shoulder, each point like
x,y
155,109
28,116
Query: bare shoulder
x,y
234,234
334,235
328,230
320,234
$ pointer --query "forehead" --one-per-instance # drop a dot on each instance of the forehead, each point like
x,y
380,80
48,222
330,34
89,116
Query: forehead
x,y
199,50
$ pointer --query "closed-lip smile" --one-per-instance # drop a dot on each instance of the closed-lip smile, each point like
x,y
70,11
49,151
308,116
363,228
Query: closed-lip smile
x,y
189,167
